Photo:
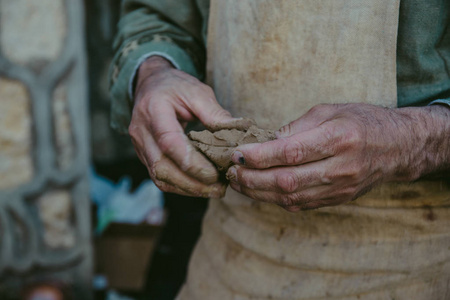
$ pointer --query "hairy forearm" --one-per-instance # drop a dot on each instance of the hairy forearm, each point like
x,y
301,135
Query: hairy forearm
x,y
426,132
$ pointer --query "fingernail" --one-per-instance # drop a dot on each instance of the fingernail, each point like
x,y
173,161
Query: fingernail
x,y
232,174
238,158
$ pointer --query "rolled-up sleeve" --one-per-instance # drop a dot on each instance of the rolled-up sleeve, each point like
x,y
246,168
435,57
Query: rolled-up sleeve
x,y
172,29
441,102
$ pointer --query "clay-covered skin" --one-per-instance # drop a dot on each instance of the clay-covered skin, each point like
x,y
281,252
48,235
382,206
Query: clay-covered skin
x,y
219,146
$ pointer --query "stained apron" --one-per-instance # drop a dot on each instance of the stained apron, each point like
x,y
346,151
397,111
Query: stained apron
x,y
273,61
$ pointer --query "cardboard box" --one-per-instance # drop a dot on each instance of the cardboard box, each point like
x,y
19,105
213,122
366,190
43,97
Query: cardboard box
x,y
123,254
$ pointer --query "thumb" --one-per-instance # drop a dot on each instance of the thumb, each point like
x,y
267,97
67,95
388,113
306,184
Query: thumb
x,y
313,118
216,118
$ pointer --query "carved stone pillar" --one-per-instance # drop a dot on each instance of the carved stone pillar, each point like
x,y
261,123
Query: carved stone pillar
x,y
44,199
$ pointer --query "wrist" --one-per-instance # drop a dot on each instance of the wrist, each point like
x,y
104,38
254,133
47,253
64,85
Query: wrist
x,y
155,62
149,67
425,143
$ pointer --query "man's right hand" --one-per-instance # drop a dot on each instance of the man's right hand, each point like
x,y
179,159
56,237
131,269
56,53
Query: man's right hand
x,y
166,99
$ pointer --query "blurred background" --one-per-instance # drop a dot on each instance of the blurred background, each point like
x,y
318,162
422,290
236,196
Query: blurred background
x,y
79,218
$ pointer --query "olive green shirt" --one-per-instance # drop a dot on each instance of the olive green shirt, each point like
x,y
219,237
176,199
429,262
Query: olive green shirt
x,y
177,30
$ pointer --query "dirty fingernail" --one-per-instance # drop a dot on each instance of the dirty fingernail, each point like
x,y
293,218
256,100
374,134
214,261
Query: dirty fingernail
x,y
238,158
232,174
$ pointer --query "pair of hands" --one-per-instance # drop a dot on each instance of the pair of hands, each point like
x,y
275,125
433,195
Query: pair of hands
x,y
331,155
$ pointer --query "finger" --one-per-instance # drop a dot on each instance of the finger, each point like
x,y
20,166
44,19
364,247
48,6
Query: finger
x,y
300,148
313,118
323,203
170,178
283,180
167,188
234,123
212,115
173,143
161,185
165,171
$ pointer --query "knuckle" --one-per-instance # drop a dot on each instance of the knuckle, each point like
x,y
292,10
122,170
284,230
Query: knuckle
x,y
292,153
152,103
289,200
325,178
132,130
190,169
354,137
287,182
135,128
146,105
317,108
329,134
353,173
286,130
348,193
154,173
208,91
166,142
157,171
321,109
244,180
219,112
162,186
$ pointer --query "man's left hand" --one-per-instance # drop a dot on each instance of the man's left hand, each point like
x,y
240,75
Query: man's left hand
x,y
336,153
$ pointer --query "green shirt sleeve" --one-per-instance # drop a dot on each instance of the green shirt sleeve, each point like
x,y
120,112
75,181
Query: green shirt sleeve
x,y
441,102
173,29
423,52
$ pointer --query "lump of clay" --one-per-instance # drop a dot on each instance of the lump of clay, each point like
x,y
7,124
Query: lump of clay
x,y
219,146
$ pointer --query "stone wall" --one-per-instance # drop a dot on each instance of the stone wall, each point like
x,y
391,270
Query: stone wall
x,y
44,147
108,147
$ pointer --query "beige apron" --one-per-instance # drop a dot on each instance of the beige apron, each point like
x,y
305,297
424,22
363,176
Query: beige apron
x,y
272,61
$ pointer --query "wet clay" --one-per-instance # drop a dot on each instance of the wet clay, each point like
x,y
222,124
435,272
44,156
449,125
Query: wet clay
x,y
219,146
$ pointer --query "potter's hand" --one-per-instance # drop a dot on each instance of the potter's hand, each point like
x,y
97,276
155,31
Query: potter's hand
x,y
166,99
335,153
